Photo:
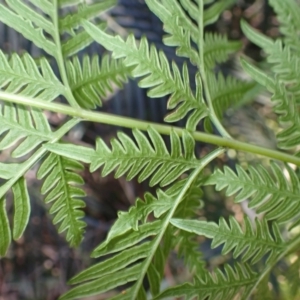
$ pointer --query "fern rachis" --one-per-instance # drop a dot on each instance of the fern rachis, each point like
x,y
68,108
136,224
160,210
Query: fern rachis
x,y
141,239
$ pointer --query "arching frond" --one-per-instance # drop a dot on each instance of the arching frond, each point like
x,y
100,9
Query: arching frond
x,y
158,76
61,186
17,122
21,75
247,243
149,159
91,81
276,197
217,49
234,282
227,91
288,14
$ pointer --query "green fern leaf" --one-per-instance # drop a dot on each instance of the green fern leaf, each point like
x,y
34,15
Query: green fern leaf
x,y
79,41
4,228
8,170
217,49
91,81
18,123
285,62
22,207
20,75
22,21
155,65
277,198
61,186
288,14
84,12
236,282
226,92
251,245
178,36
148,159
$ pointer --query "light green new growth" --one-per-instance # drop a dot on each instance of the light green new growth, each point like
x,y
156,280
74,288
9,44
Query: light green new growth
x,y
140,241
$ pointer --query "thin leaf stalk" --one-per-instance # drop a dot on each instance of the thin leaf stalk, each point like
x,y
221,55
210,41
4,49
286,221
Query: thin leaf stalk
x,y
60,60
204,162
111,119
211,111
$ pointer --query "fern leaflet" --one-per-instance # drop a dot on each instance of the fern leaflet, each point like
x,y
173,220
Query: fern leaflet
x,y
160,78
277,198
248,244
61,185
236,282
131,159
90,82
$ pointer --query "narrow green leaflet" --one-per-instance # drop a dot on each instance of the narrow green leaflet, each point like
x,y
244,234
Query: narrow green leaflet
x,y
272,194
234,282
8,170
91,80
84,12
288,14
61,184
19,122
5,233
217,49
24,25
143,157
227,91
21,75
154,66
21,206
249,244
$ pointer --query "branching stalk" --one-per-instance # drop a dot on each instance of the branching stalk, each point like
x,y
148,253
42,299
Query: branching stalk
x,y
202,70
111,119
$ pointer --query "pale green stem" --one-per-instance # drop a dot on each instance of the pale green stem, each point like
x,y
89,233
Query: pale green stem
x,y
60,60
166,221
294,244
143,125
212,114
28,164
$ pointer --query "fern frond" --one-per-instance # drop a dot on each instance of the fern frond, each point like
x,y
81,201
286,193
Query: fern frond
x,y
177,35
227,91
20,75
288,14
217,49
248,244
143,157
236,282
61,186
285,106
277,198
159,76
84,12
18,123
33,26
75,43
91,81
8,170
285,62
